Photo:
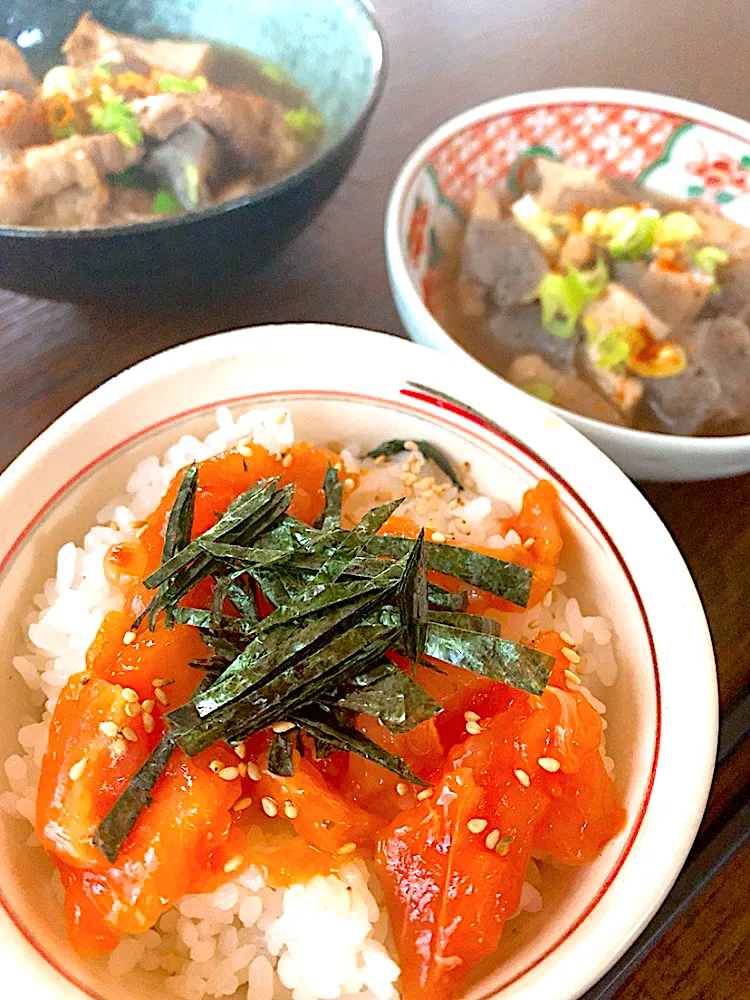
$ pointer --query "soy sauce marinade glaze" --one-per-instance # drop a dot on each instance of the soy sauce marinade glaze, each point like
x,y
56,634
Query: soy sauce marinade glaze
x,y
128,129
346,691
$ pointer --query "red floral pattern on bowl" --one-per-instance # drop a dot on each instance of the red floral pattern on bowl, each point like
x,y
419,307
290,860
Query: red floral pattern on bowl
x,y
657,148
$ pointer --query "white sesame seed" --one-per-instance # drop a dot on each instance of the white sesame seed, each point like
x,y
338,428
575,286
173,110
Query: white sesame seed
x,y
129,735
547,599
535,624
243,803
452,504
242,768
348,483
549,764
438,536
253,771
424,484
287,461
269,806
148,705
477,825
529,542
411,446
161,696
233,864
283,727
348,848
401,788
571,677
148,722
522,777
217,765
119,747
490,841
132,709
290,810
567,639
425,794
240,750
473,728
571,655
108,728
408,478
130,695
160,682
379,459
129,637
229,773
243,449
77,769
472,716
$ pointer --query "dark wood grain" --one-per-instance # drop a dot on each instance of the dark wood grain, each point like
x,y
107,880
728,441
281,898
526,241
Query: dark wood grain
x,y
446,56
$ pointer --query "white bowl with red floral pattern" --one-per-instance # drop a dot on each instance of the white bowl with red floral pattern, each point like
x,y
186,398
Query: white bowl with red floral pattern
x,y
663,143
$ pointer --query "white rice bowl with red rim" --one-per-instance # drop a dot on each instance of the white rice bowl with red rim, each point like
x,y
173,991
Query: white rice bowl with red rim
x,y
55,490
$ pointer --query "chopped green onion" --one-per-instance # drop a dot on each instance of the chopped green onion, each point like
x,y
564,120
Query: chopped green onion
x,y
165,203
708,259
676,228
564,297
181,85
273,72
613,348
115,116
307,122
541,225
192,185
634,239
542,390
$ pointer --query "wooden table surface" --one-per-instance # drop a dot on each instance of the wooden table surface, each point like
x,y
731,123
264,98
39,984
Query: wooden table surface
x,y
445,56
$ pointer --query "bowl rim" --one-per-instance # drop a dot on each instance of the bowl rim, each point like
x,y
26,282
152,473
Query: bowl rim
x,y
590,476
379,56
675,444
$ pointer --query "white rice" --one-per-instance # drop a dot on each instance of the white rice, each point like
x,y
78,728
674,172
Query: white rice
x,y
327,939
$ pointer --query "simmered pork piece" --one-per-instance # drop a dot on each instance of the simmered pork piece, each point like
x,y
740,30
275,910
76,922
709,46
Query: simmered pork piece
x,y
21,124
14,70
91,43
560,187
500,256
532,373
675,295
43,172
251,128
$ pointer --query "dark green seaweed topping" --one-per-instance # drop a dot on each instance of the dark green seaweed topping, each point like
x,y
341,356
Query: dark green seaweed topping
x,y
322,723
281,755
116,826
342,600
330,516
494,575
430,452
391,696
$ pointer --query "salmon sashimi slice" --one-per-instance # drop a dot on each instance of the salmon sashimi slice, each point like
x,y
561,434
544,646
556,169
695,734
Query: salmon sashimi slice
x,y
167,855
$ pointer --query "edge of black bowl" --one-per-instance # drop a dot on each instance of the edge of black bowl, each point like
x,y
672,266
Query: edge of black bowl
x,y
269,191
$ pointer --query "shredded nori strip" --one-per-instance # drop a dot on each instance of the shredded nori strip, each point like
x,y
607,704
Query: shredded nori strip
x,y
430,452
322,723
391,696
281,754
494,575
330,516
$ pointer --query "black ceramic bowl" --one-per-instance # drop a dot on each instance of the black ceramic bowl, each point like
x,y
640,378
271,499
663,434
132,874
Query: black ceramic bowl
x,y
334,48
